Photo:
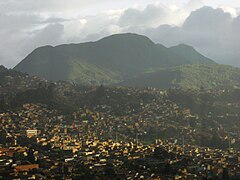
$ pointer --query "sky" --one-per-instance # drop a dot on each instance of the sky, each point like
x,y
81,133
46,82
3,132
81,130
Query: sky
x,y
210,26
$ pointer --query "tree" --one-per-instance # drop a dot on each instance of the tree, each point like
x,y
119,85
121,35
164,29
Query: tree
x,y
160,153
31,157
168,169
3,135
110,172
225,174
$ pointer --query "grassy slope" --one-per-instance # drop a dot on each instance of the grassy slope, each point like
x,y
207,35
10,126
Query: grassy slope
x,y
190,54
208,76
86,73
190,77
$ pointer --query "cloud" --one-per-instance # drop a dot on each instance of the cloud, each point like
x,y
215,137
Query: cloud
x,y
20,33
230,10
151,16
51,34
236,25
91,28
213,32
193,5
207,19
25,26
46,5
17,22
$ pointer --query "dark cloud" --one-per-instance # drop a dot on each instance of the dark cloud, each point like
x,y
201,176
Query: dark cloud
x,y
211,31
166,34
150,16
52,34
236,25
207,19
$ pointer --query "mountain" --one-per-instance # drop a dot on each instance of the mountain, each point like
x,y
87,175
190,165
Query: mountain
x,y
190,54
108,61
195,76
2,69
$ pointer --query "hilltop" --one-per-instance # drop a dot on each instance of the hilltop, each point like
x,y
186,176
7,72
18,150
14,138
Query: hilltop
x,y
108,61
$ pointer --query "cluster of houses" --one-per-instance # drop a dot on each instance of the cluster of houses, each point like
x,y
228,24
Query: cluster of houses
x,y
150,143
148,139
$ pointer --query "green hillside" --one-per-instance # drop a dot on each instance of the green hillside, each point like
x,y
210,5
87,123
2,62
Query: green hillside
x,y
190,54
195,76
91,74
107,61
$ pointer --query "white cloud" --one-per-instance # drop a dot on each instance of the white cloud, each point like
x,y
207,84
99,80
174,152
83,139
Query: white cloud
x,y
230,10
